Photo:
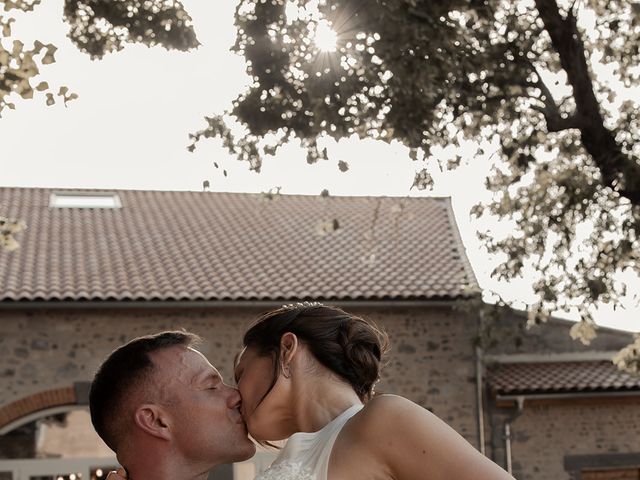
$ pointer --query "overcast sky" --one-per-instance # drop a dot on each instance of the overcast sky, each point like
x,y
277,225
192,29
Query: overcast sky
x,y
129,130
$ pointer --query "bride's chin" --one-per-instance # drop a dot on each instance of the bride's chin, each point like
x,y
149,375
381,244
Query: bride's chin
x,y
262,434
255,433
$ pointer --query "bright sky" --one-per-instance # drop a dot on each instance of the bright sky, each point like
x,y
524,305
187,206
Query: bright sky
x,y
129,127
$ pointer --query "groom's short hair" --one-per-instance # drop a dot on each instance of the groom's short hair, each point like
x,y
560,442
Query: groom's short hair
x,y
125,369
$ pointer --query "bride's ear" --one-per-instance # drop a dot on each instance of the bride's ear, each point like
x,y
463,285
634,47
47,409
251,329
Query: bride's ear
x,y
288,349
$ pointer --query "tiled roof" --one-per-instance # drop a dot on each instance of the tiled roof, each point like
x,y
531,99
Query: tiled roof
x,y
233,246
560,377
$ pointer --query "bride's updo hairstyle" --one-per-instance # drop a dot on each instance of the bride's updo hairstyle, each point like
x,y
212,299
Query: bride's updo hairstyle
x,y
347,345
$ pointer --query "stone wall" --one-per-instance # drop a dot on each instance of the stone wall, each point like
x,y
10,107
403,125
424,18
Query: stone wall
x,y
432,362
544,436
431,359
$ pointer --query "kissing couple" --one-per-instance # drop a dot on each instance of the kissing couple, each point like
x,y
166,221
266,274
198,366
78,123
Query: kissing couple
x,y
307,374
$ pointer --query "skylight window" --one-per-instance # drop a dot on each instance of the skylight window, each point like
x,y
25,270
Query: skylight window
x,y
84,200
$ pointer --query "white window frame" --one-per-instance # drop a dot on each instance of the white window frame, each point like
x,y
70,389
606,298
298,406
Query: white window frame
x,y
97,200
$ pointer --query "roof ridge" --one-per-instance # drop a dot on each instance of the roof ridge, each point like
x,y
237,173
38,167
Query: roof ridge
x,y
180,191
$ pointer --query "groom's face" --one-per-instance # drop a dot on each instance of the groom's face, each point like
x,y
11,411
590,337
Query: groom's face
x,y
206,424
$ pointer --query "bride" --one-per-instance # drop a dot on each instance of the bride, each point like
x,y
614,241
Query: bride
x,y
307,373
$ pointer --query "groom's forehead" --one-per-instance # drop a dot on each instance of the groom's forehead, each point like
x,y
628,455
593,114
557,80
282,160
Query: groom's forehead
x,y
183,363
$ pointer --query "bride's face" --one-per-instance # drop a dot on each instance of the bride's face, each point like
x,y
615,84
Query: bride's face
x,y
254,377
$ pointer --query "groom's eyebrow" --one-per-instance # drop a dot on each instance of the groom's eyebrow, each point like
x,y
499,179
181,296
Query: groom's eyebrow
x,y
206,377
215,376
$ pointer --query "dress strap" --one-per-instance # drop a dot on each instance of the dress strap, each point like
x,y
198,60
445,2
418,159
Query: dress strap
x,y
322,468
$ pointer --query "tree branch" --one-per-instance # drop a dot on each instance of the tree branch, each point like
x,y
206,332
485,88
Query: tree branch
x,y
552,115
619,171
414,12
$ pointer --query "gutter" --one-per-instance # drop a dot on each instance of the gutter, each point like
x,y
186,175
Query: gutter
x,y
199,304
551,357
566,396
480,384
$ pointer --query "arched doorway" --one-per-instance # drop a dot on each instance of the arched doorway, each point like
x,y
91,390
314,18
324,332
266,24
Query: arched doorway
x,y
57,443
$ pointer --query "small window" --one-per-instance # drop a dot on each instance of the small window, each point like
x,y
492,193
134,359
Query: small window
x,y
84,200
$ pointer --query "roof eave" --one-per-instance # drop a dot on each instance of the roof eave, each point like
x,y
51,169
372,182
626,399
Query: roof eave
x,y
206,304
514,398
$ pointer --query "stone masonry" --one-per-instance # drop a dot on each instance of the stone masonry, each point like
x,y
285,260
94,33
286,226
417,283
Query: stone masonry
x,y
432,362
431,359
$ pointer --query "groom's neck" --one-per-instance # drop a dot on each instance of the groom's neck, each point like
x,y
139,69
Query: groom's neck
x,y
163,467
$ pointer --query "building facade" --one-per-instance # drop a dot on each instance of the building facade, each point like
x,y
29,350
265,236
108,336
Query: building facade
x,y
116,265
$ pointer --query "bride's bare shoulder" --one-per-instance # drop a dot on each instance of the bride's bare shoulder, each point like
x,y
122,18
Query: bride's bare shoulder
x,y
388,413
387,400
387,405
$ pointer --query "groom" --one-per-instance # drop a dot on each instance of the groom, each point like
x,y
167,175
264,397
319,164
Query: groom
x,y
164,409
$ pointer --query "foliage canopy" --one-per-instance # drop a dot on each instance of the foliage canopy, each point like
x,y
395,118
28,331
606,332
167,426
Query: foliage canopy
x,y
525,75
97,27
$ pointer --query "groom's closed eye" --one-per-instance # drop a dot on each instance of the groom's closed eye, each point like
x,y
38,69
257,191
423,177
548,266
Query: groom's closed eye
x,y
211,382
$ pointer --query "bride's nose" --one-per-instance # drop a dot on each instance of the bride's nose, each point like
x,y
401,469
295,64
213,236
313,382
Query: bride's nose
x,y
234,399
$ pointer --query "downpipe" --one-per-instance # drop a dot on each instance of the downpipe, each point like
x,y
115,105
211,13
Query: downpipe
x,y
508,434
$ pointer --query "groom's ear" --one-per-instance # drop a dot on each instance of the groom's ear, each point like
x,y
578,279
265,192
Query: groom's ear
x,y
154,420
288,347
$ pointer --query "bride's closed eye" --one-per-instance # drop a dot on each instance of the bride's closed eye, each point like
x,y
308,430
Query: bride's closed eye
x,y
237,377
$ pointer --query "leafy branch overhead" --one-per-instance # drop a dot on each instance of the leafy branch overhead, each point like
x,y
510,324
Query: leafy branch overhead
x,y
97,27
20,66
520,74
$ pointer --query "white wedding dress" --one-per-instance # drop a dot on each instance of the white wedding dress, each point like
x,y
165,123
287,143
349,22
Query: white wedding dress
x,y
306,455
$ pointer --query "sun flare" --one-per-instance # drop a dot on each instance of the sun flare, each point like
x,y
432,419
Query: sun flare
x,y
325,38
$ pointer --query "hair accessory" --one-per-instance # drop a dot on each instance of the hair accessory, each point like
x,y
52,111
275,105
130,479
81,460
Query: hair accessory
x,y
293,306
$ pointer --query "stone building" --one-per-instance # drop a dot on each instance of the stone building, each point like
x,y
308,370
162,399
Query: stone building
x,y
96,269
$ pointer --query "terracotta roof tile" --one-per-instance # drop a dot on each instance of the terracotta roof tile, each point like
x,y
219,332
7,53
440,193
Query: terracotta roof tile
x,y
232,246
560,377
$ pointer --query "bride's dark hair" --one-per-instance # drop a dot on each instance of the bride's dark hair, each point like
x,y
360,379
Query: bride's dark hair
x,y
349,346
